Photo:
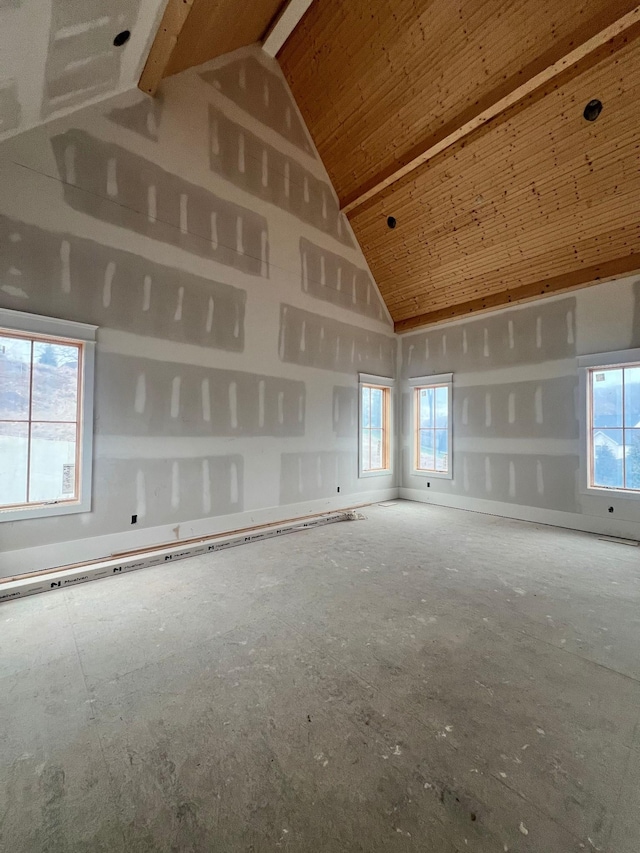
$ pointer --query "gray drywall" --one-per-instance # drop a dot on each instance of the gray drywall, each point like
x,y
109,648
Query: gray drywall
x,y
9,106
60,55
210,412
517,413
311,340
82,60
112,184
263,94
59,274
262,170
328,276
142,117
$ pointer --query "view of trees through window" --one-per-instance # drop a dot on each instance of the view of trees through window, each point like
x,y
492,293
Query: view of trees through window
x,y
39,420
432,412
374,428
615,427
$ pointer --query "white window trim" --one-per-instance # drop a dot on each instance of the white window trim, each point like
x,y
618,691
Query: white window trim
x,y
384,382
421,382
36,324
586,363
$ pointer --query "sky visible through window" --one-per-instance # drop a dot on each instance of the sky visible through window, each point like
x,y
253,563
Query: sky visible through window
x,y
615,427
38,420
433,428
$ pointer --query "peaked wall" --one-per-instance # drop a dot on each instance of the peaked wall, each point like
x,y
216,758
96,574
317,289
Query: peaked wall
x,y
235,309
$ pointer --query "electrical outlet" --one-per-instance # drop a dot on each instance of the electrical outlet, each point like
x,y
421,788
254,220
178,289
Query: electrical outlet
x,y
338,489
134,519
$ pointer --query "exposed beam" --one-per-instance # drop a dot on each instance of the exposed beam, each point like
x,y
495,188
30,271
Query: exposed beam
x,y
173,20
608,271
532,78
285,23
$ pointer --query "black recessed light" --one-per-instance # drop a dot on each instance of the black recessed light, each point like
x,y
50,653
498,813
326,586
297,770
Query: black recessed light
x,y
391,221
592,110
122,38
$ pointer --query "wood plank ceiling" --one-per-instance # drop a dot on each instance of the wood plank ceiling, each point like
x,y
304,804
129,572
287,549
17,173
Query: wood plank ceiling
x,y
463,120
195,31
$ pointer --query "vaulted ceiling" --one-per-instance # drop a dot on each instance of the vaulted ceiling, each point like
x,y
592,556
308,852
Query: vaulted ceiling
x,y
463,121
458,122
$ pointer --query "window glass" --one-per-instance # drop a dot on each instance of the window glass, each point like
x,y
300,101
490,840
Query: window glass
x,y
433,439
374,424
55,382
14,442
39,420
632,397
376,407
426,408
442,407
607,398
53,461
615,427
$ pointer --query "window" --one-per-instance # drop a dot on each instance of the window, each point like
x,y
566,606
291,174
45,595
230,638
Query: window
x,y
46,415
610,425
432,419
614,427
375,425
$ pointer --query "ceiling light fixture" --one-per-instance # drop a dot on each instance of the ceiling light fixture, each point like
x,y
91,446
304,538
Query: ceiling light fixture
x,y
122,38
592,110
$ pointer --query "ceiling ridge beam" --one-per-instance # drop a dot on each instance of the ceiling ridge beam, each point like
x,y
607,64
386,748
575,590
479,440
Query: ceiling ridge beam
x,y
448,136
285,22
173,20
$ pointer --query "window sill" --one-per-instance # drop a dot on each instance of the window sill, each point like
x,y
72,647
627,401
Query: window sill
x,y
44,510
435,475
604,492
385,472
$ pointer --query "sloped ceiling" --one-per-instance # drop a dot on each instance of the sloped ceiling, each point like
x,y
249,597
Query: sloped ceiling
x,y
463,120
59,55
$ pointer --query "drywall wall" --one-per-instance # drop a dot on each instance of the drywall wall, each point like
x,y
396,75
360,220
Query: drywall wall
x,y
58,55
517,415
201,235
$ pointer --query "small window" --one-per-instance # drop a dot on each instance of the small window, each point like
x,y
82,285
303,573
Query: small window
x,y
46,406
432,417
614,427
375,425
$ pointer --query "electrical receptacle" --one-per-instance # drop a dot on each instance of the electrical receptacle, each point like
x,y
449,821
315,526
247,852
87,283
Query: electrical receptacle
x,y
338,489
134,519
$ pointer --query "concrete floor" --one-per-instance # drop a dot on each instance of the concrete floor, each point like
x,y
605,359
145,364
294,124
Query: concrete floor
x,y
423,680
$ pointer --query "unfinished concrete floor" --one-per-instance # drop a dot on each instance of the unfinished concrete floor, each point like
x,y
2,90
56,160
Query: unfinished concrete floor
x,y
423,680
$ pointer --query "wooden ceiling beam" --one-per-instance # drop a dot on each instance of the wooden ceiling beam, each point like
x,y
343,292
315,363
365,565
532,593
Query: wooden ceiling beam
x,y
283,25
195,31
539,73
173,20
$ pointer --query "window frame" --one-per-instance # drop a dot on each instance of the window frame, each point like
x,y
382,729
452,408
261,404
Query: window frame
x,y
416,384
384,383
54,330
587,366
